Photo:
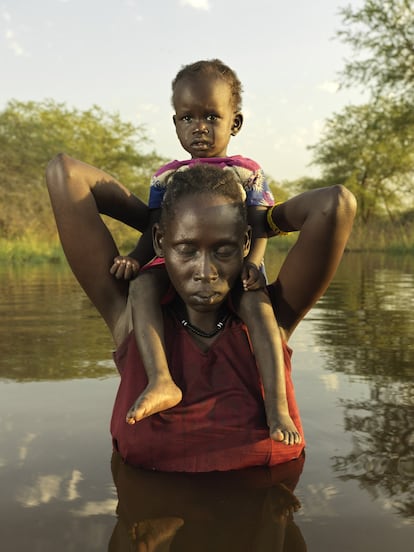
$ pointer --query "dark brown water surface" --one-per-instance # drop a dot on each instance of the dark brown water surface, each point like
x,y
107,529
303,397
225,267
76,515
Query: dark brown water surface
x,y
353,368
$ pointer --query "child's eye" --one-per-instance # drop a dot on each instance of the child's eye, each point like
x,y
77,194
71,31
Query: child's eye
x,y
186,118
211,117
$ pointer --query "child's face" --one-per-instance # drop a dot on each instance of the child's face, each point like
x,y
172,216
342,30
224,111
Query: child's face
x,y
205,118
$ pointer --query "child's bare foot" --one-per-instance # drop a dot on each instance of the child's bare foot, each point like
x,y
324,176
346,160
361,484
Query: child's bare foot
x,y
281,426
156,397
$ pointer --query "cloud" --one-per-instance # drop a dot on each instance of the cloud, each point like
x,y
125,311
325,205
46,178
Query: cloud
x,y
318,501
329,86
43,491
196,4
6,16
99,508
279,144
50,487
23,450
149,107
330,381
13,44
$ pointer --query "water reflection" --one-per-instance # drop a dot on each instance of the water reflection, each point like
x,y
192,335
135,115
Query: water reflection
x,y
353,368
365,325
366,320
48,328
382,455
250,510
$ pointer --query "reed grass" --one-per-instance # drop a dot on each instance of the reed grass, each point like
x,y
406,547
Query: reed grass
x,y
378,236
30,250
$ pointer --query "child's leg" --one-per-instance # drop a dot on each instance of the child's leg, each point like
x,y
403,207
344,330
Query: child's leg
x,y
256,311
161,392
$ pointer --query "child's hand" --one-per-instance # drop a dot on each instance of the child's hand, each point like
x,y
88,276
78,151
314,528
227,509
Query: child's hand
x,y
125,268
252,278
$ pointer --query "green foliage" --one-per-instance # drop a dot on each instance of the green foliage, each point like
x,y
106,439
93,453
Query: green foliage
x,y
302,184
279,191
31,133
381,35
370,147
28,249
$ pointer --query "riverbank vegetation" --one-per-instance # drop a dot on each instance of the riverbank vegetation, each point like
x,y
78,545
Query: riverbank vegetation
x,y
369,148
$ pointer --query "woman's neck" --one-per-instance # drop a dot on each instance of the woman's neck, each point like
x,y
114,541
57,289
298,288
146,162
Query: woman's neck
x,y
202,324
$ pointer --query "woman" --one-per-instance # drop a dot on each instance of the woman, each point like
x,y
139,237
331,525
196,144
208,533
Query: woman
x,y
203,236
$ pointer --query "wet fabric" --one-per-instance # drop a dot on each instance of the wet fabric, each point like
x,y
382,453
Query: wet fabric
x,y
220,423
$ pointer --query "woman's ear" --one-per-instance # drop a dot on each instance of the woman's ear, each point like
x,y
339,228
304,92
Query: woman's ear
x,y
237,123
157,240
247,241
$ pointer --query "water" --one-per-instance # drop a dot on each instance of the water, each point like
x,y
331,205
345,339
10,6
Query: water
x,y
353,368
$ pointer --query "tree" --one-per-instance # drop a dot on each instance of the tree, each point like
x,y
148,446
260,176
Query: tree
x,y
31,133
381,35
370,149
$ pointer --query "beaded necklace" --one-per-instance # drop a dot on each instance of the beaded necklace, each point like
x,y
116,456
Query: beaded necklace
x,y
197,331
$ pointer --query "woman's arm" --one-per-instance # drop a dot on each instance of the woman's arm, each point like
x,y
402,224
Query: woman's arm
x,y
324,218
78,194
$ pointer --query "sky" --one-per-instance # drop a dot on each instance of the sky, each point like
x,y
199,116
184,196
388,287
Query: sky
x,y
123,54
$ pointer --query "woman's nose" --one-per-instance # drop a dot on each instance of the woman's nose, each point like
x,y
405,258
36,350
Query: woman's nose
x,y
206,269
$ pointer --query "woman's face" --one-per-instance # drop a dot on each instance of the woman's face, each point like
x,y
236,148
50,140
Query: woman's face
x,y
204,245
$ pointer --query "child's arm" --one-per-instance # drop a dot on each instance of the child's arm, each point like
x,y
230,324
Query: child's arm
x,y
127,267
251,276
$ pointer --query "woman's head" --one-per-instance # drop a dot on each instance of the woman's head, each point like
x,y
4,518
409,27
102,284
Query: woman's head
x,y
207,180
203,235
207,102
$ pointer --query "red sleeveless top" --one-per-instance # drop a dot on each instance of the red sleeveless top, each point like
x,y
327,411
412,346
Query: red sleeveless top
x,y
220,424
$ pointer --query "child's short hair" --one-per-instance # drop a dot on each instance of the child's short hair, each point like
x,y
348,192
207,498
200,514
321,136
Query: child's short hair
x,y
202,179
213,68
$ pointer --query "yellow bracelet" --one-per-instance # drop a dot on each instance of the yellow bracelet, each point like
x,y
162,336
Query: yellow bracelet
x,y
271,222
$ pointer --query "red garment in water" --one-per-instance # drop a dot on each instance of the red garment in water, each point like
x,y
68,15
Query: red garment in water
x,y
220,423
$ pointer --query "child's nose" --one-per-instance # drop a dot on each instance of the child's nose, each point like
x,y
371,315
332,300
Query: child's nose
x,y
200,127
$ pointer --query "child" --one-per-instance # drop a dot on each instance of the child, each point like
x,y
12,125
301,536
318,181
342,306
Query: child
x,y
207,102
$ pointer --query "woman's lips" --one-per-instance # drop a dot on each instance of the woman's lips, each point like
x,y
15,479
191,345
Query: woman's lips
x,y
206,298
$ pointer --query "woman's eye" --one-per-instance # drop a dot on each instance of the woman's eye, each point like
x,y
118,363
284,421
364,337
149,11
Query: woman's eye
x,y
225,252
185,250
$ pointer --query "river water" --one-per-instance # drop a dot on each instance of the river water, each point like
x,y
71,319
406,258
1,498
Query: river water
x,y
353,368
